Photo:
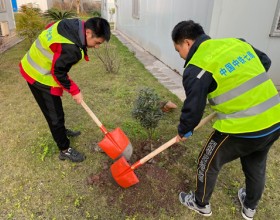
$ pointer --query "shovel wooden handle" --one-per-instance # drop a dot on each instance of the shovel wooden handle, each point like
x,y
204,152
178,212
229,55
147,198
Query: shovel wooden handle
x,y
93,116
171,142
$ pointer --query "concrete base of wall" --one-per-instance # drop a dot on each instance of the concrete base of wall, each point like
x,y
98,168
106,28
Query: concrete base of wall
x,y
9,41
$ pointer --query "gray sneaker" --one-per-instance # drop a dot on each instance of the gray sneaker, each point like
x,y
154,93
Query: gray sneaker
x,y
247,213
189,201
72,155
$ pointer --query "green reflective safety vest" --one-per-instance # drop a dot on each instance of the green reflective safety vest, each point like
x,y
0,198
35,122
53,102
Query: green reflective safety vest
x,y
245,99
37,62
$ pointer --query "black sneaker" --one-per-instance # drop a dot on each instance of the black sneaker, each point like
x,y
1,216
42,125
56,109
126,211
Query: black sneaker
x,y
72,155
71,133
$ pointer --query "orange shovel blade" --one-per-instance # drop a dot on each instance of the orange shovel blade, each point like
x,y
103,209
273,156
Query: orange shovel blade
x,y
114,143
123,174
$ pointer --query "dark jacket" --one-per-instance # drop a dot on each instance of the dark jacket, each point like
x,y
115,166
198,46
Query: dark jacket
x,y
196,91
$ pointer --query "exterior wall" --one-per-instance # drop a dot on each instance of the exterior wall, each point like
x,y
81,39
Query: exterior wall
x,y
42,4
106,6
251,20
157,18
8,15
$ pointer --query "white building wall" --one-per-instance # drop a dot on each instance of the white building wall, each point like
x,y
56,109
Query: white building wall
x,y
8,15
248,19
106,6
157,19
251,20
42,4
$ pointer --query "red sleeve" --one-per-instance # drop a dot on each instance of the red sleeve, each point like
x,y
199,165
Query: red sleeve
x,y
65,56
49,25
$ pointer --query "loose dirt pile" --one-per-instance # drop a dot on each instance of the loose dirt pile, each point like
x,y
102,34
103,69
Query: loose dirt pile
x,y
157,190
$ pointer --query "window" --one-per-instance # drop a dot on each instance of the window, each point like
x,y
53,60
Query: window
x,y
135,9
2,5
275,29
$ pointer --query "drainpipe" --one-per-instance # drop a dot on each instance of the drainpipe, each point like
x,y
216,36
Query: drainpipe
x,y
117,8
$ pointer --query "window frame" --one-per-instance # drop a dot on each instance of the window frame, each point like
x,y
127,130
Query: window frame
x,y
275,28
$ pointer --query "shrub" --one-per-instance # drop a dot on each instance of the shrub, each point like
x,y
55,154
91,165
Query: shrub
x,y
29,23
55,14
147,110
92,6
108,55
95,13
112,11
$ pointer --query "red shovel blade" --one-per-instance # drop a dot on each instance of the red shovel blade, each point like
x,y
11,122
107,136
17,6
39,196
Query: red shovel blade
x,y
114,143
123,174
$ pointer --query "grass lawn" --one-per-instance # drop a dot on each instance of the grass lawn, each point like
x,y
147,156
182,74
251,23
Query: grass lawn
x,y
35,184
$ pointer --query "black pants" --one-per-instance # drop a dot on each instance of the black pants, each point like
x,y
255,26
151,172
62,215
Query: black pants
x,y
221,149
51,106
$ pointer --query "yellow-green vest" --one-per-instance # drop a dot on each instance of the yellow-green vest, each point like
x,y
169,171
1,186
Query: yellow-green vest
x,y
37,62
245,99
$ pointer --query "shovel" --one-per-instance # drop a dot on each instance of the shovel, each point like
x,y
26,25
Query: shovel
x,y
115,143
123,173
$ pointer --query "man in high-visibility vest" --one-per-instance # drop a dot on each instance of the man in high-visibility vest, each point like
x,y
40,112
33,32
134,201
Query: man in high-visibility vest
x,y
46,65
231,74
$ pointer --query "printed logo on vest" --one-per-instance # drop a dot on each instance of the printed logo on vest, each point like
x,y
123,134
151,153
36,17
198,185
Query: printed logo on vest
x,y
238,62
49,33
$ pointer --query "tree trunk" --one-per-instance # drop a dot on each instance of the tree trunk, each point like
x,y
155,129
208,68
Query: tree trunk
x,y
82,6
78,7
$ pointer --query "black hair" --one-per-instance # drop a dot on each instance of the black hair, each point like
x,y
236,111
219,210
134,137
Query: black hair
x,y
186,30
99,26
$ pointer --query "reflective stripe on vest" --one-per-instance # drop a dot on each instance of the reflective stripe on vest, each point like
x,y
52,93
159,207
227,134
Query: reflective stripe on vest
x,y
36,66
245,99
239,90
264,106
43,50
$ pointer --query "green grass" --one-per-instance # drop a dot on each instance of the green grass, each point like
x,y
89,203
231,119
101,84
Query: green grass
x,y
36,185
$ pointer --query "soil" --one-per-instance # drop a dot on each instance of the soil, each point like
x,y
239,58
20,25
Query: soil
x,y
157,189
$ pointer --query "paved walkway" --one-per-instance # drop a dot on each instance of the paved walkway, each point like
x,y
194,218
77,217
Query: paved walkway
x,y
166,76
